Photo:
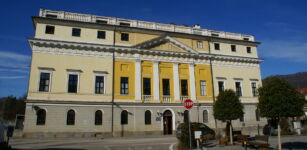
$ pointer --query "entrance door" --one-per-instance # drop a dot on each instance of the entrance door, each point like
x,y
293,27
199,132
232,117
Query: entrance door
x,y
167,122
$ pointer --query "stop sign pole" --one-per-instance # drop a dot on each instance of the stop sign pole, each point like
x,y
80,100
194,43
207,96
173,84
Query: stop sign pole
x,y
188,104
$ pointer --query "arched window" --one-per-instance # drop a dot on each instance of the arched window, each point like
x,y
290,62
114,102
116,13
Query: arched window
x,y
41,117
124,117
98,117
70,117
186,116
147,117
242,119
205,116
257,115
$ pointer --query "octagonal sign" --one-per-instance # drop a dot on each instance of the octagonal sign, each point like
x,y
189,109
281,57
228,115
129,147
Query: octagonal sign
x,y
188,104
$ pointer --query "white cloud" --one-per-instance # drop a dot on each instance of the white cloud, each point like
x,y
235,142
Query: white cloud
x,y
14,56
293,51
12,77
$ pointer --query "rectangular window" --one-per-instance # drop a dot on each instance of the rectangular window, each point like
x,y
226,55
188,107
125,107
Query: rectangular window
x,y
124,85
216,46
246,39
214,34
49,30
238,88
99,85
248,50
51,16
221,86
146,86
166,87
124,37
254,89
44,82
233,48
203,88
72,83
101,34
184,88
76,32
199,44
102,21
124,24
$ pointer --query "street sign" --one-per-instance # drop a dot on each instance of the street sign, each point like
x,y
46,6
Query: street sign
x,y
197,134
188,104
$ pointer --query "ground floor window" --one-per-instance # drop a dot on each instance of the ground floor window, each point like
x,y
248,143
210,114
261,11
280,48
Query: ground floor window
x,y
124,117
41,117
98,117
70,117
147,117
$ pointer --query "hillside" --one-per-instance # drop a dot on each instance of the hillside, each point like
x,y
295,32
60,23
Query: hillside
x,y
298,80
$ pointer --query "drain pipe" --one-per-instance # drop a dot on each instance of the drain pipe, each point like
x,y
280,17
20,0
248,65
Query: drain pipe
x,y
113,75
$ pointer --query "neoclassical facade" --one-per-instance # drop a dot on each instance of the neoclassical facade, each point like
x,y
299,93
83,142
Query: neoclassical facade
x,y
102,76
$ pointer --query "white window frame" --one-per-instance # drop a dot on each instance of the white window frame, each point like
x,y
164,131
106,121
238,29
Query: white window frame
x,y
199,44
71,72
201,90
104,75
45,70
251,82
241,86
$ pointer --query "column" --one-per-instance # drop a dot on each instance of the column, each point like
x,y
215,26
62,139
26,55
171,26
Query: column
x,y
192,82
138,81
156,81
176,82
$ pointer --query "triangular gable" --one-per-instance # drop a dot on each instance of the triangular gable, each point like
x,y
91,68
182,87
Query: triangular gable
x,y
161,41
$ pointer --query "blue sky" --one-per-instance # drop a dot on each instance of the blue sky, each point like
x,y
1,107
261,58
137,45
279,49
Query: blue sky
x,y
280,25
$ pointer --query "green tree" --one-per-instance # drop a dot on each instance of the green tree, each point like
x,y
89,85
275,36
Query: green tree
x,y
278,99
228,107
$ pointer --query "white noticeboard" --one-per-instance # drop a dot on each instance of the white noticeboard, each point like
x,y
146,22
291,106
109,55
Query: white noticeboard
x,y
197,134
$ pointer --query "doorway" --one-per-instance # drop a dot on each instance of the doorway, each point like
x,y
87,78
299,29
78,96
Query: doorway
x,y
167,122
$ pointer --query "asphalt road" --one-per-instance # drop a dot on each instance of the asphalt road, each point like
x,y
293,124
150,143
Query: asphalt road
x,y
160,143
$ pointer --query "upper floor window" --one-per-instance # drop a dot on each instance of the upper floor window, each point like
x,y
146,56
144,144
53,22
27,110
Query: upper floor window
x,y
98,117
217,46
203,88
51,16
246,39
221,86
254,88
41,117
233,48
205,116
199,44
238,88
146,86
76,32
124,24
44,82
99,84
70,120
124,117
147,117
124,37
101,34
184,88
101,21
248,50
166,87
73,83
124,85
49,29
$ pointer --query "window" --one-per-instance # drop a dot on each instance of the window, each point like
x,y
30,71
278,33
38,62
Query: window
x,y
44,82
233,48
246,39
76,32
124,36
51,16
217,46
147,117
70,117
214,34
254,89
124,24
124,117
184,88
72,83
238,88
101,34
49,30
248,50
146,86
102,21
242,118
203,88
186,116
257,115
98,117
221,86
124,85
205,116
199,44
41,117
166,87
99,85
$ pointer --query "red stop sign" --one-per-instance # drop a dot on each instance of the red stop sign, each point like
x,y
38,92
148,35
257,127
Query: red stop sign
x,y
188,104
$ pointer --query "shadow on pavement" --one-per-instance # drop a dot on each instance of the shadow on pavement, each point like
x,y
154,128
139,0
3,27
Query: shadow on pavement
x,y
294,145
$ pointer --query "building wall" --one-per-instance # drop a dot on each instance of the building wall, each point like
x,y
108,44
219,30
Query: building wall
x,y
124,68
225,49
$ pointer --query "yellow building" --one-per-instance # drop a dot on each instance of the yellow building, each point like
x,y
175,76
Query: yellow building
x,y
94,75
